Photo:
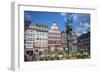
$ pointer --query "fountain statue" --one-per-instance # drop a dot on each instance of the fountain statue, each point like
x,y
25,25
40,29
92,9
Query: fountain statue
x,y
70,38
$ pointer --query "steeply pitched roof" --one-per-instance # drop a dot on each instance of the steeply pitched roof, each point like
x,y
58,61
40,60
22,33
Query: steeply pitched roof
x,y
54,28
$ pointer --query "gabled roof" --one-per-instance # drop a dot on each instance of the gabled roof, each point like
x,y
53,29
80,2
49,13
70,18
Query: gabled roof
x,y
54,28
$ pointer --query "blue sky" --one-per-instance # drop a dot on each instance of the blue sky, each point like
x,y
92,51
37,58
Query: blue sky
x,y
81,21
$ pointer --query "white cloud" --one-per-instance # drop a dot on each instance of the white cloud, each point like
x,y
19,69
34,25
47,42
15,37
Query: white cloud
x,y
75,17
84,25
82,28
81,19
63,14
65,19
